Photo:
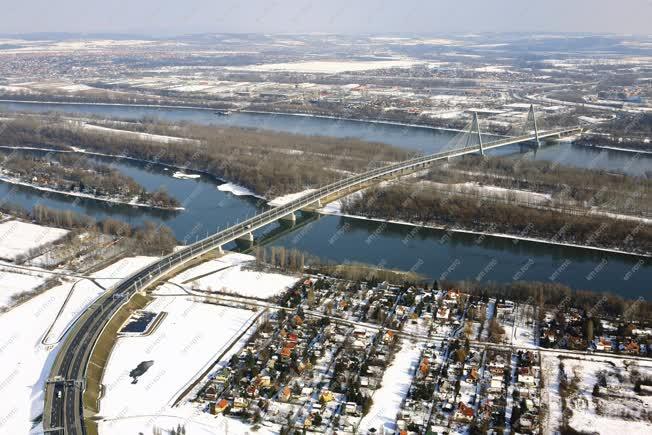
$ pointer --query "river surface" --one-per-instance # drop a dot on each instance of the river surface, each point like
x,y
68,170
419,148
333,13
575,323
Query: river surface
x,y
433,253
420,139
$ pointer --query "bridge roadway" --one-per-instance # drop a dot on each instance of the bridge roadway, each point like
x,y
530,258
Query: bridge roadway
x,y
64,412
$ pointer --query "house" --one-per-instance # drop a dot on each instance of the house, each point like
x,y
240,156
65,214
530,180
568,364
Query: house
x,y
351,408
424,368
474,375
443,313
326,396
264,381
286,353
252,391
464,413
210,393
632,347
286,394
219,407
240,403
603,344
525,377
388,337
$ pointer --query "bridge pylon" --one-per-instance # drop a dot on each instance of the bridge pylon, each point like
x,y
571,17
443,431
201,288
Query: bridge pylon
x,y
475,125
531,117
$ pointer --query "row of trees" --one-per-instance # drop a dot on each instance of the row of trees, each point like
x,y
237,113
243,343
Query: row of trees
x,y
148,239
431,207
268,163
599,188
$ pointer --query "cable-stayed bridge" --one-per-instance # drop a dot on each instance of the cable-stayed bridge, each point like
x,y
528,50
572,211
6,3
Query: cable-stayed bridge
x,y
64,407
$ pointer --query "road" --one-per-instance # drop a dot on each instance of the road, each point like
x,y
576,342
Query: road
x,y
69,369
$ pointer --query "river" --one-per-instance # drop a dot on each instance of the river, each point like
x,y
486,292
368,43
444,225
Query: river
x,y
433,253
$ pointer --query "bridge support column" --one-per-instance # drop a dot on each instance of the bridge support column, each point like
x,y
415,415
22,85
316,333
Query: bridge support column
x,y
245,241
312,208
289,218
288,221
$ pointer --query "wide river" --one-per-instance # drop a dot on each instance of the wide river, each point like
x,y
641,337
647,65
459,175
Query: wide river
x,y
430,252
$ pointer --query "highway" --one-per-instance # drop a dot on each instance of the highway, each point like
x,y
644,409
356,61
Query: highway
x,y
63,411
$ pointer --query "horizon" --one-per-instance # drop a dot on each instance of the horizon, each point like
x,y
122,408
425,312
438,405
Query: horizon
x,y
336,17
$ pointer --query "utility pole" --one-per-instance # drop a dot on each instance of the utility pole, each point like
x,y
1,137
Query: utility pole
x,y
476,122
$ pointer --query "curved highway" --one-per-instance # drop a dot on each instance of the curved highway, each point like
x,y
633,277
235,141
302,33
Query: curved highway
x,y
64,411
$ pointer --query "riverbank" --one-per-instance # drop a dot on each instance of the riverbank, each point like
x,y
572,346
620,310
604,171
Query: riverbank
x,y
258,112
134,202
516,238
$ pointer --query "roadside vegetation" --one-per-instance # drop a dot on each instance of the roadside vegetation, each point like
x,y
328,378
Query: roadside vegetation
x,y
267,163
569,187
148,239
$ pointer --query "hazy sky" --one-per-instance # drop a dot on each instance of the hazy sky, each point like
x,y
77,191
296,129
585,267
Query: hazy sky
x,y
332,16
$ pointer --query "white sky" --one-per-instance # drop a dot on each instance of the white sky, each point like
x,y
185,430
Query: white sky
x,y
332,16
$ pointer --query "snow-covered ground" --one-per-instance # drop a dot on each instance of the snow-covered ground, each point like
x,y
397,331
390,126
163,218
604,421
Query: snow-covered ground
x,y
15,281
226,275
323,66
284,199
137,135
601,415
187,341
25,362
236,190
17,238
604,415
395,386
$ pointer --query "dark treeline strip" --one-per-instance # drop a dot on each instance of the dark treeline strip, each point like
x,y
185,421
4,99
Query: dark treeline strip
x,y
268,163
563,182
148,239
425,206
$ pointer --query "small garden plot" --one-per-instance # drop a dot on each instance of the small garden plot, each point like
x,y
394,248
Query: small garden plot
x,y
601,396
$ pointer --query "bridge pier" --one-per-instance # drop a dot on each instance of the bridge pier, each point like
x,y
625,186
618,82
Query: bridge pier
x,y
289,218
245,241
312,208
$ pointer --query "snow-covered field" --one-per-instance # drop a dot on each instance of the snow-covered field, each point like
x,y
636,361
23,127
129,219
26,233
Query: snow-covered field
x,y
25,361
137,135
601,415
188,340
284,199
15,281
226,275
395,386
17,238
323,66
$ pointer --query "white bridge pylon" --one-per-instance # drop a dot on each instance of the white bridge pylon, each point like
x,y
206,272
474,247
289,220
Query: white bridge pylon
x,y
471,135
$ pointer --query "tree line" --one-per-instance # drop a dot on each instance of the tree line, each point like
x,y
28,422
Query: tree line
x,y
147,239
427,206
265,162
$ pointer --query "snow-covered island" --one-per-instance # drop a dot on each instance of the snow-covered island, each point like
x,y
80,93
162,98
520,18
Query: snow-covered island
x,y
80,177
